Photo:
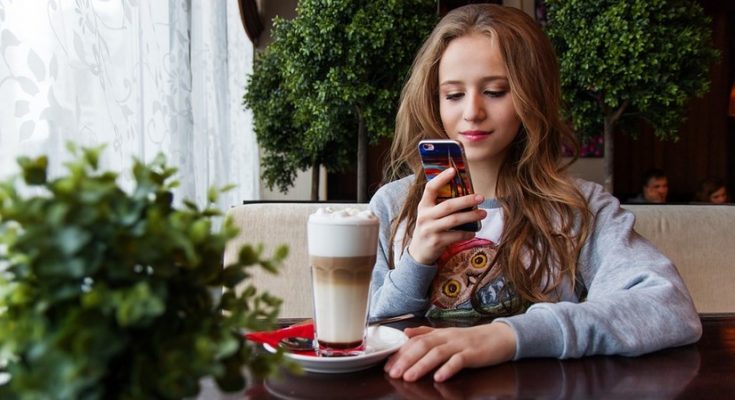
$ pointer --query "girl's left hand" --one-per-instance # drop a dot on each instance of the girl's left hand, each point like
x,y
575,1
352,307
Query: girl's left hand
x,y
451,349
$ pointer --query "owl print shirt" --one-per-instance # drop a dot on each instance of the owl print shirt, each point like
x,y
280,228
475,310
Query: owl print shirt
x,y
635,299
467,283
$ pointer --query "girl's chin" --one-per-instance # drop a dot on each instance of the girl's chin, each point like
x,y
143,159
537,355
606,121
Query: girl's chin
x,y
478,157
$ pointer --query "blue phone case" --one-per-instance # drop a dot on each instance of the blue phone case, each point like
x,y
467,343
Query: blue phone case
x,y
438,155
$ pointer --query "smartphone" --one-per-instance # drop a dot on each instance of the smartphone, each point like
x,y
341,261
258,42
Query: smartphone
x,y
440,154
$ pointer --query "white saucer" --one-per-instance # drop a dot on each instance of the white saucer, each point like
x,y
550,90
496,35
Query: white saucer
x,y
382,341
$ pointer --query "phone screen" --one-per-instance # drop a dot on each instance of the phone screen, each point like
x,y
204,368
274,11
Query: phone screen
x,y
438,155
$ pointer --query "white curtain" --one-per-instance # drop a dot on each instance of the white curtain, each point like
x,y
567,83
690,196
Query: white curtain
x,y
141,76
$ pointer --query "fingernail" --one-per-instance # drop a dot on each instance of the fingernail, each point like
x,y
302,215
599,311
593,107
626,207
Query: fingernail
x,y
478,198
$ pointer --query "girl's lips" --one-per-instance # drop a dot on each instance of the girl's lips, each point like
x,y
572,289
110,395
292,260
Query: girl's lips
x,y
475,135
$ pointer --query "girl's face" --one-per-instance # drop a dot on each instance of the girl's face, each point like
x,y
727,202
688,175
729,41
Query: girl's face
x,y
719,196
475,102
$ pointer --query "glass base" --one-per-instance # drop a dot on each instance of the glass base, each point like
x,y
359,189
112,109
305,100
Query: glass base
x,y
325,349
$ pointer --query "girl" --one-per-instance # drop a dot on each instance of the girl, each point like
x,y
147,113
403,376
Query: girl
x,y
556,263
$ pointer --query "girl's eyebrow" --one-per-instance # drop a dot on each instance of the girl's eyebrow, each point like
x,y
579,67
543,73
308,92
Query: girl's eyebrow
x,y
486,79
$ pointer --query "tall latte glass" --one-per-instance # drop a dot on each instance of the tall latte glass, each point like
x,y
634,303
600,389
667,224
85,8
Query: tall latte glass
x,y
342,246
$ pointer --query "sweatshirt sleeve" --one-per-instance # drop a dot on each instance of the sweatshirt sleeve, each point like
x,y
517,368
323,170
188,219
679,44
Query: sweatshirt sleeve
x,y
405,288
636,301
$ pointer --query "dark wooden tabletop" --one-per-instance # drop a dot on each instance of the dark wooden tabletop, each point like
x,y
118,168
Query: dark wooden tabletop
x,y
702,370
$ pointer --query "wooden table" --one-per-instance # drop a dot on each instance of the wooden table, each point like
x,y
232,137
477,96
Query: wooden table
x,y
702,370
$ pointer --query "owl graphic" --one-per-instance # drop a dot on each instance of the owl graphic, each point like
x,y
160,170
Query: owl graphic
x,y
461,267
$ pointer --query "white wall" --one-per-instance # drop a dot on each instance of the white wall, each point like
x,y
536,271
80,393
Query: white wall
x,y
591,169
301,189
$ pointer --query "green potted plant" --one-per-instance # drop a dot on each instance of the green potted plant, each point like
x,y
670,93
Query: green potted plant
x,y
111,294
626,61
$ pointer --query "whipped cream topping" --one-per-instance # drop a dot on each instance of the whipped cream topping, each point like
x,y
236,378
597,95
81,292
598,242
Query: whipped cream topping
x,y
349,215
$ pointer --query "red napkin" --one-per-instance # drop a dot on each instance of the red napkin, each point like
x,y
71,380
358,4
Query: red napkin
x,y
274,337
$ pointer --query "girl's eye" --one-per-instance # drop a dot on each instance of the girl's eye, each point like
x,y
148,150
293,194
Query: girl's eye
x,y
495,93
454,96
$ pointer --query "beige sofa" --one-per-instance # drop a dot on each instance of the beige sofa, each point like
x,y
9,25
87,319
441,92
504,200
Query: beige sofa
x,y
698,238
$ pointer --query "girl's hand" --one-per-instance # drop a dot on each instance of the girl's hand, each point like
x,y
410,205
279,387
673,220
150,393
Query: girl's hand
x,y
451,349
432,233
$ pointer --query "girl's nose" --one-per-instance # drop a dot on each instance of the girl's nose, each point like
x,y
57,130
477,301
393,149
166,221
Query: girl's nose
x,y
474,109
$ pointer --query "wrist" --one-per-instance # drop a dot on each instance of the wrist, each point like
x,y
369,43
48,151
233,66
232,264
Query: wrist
x,y
417,258
506,337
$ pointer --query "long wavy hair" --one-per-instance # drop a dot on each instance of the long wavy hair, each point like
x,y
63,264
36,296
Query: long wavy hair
x,y
546,218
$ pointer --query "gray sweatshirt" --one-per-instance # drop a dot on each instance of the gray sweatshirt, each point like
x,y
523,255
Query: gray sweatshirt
x,y
636,301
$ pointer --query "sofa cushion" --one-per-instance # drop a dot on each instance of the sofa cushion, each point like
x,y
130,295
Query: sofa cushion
x,y
700,241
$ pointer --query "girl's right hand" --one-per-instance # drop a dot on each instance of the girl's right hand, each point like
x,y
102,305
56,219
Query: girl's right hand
x,y
434,221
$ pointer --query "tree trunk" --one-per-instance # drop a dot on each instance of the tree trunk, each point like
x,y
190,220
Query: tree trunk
x,y
608,155
315,182
611,118
362,144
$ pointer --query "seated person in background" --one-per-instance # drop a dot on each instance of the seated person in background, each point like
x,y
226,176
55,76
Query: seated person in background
x,y
711,190
655,187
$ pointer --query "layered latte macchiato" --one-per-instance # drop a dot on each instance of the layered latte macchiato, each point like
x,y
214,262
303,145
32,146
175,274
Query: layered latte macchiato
x,y
342,246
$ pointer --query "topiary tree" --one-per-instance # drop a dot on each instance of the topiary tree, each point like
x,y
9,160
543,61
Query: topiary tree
x,y
329,84
287,149
623,61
